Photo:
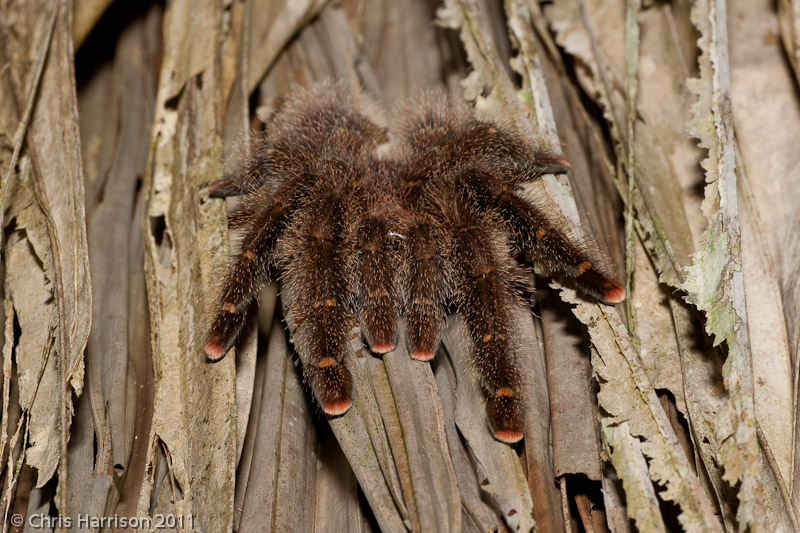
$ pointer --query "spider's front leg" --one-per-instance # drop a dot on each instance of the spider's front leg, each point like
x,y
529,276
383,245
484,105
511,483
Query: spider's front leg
x,y
266,220
484,296
558,250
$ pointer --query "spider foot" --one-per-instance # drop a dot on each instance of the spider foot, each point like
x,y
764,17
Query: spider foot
x,y
379,324
601,286
552,164
223,334
333,387
423,332
382,347
423,354
505,413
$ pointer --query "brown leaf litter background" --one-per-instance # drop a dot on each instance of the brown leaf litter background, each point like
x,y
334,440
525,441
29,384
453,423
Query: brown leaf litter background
x,y
679,409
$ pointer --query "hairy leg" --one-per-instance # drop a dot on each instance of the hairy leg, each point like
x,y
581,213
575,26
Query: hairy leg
x,y
321,135
484,296
265,223
427,287
377,276
532,229
317,269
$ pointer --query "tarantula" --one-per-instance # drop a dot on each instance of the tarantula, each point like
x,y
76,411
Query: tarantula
x,y
360,239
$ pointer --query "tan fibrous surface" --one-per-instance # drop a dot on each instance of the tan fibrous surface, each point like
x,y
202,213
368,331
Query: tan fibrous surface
x,y
675,410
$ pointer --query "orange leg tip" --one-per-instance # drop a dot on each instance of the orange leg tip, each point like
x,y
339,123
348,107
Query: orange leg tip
x,y
384,347
214,350
509,436
338,407
422,355
325,362
615,295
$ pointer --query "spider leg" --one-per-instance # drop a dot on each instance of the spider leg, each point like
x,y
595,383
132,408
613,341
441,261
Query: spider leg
x,y
377,279
557,251
532,229
317,273
225,187
527,170
248,269
251,172
427,287
484,296
321,135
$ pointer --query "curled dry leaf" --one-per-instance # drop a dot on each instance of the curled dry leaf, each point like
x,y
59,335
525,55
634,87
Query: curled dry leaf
x,y
30,290
627,395
194,421
56,180
715,282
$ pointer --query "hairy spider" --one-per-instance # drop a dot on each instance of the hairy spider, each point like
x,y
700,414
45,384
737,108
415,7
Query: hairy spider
x,y
365,240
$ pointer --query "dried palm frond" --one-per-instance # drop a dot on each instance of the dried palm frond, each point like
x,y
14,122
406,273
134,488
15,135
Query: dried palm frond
x,y
677,410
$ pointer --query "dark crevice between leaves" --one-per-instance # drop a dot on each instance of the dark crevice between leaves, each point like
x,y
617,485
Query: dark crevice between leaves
x,y
158,228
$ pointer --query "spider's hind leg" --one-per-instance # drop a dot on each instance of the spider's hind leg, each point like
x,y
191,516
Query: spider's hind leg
x,y
249,173
531,228
225,187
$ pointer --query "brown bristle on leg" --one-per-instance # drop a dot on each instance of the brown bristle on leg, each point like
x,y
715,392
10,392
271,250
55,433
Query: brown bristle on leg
x,y
532,230
224,188
543,164
484,297
362,237
379,323
321,136
248,268
424,327
317,260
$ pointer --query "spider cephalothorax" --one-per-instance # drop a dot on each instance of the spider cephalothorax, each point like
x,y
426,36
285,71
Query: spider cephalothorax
x,y
365,240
